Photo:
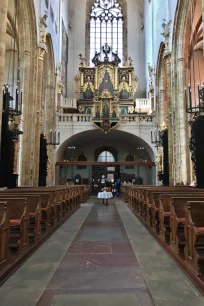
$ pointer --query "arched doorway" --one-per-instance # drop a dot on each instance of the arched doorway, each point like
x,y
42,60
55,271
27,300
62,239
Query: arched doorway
x,y
108,160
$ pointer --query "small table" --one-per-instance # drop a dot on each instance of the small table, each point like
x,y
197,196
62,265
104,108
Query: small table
x,y
105,196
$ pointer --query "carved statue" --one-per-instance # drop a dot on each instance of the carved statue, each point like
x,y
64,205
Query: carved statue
x,y
151,76
116,58
131,109
83,60
130,61
81,109
164,127
166,33
124,85
159,161
88,84
43,33
43,28
96,58
134,84
77,82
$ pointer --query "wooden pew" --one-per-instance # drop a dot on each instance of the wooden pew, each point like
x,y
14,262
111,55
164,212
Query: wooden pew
x,y
166,210
47,201
18,218
4,234
34,212
194,233
178,208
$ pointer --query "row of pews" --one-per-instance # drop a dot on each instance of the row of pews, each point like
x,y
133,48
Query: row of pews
x,y
176,216
29,215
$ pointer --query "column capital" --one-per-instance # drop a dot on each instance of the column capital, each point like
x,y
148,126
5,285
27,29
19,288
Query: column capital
x,y
42,50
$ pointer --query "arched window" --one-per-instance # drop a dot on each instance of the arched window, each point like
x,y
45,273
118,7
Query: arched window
x,y
106,26
129,158
106,156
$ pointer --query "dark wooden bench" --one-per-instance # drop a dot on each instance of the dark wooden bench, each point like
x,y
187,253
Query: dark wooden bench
x,y
194,233
178,208
166,209
18,219
4,234
34,212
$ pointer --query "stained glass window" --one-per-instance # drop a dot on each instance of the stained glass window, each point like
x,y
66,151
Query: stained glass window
x,y
106,26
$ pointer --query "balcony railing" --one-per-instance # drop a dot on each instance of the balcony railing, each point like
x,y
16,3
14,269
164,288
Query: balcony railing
x,y
143,106
136,118
74,118
133,118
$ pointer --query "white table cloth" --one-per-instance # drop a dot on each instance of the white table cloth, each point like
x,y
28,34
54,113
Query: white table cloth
x,y
105,195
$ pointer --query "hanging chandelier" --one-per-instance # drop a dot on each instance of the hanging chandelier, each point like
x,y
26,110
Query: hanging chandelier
x,y
156,139
192,106
194,93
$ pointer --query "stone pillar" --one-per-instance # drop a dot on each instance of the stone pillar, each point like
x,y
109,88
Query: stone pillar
x,y
3,18
161,107
27,139
38,124
50,166
183,153
167,60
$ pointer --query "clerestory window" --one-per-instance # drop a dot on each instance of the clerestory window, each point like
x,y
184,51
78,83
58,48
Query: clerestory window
x,y
106,26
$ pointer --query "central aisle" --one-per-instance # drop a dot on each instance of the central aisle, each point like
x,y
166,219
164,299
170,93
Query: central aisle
x,y
102,255
100,261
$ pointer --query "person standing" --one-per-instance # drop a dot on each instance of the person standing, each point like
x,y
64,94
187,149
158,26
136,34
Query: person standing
x,y
118,183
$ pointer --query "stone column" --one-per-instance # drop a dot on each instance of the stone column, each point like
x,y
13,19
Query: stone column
x,y
3,18
167,60
161,107
50,165
38,124
28,123
182,136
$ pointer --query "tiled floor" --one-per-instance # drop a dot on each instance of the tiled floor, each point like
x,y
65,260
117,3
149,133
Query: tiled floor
x,y
100,256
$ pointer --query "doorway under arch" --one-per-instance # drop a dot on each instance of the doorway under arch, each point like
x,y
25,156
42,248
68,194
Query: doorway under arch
x,y
111,157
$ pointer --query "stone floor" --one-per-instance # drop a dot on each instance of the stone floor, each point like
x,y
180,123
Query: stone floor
x,y
101,256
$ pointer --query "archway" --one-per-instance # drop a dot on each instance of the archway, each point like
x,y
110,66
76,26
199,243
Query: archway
x,y
185,28
119,144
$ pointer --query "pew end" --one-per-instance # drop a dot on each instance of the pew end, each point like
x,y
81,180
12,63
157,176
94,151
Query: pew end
x,y
4,234
194,231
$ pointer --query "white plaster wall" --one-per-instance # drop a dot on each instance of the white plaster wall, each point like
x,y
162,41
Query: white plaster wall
x,y
142,131
136,41
155,12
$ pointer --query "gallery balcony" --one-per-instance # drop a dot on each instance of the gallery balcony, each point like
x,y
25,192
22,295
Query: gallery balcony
x,y
86,120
